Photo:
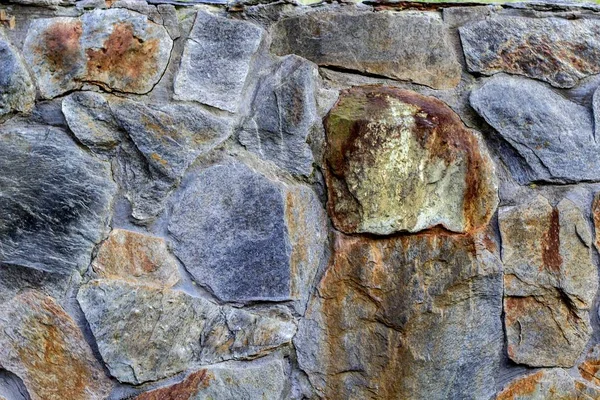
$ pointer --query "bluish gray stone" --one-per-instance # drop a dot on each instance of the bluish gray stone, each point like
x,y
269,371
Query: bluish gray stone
x,y
17,92
553,136
55,199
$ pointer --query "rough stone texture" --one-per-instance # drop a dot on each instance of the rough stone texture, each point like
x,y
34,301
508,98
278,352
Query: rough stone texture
x,y
596,219
284,113
590,367
90,118
116,49
400,161
137,257
258,380
387,41
552,384
146,333
554,137
556,50
44,347
550,282
17,92
216,61
252,243
54,199
402,317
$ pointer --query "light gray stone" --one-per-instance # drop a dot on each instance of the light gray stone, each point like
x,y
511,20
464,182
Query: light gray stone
x,y
284,112
412,46
17,92
116,49
216,61
243,235
55,199
559,51
145,333
554,137
548,384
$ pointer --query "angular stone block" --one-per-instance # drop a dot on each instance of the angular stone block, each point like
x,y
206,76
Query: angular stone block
x,y
17,91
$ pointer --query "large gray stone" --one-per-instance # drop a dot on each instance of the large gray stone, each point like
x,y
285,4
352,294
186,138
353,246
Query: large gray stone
x,y
17,92
559,51
55,199
407,317
553,136
550,282
116,49
413,46
284,112
145,333
243,235
216,61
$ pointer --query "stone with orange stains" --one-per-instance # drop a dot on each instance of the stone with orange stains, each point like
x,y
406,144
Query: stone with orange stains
x,y
17,91
145,333
401,161
550,282
136,257
549,384
555,50
257,380
43,346
590,366
116,49
247,235
596,219
406,317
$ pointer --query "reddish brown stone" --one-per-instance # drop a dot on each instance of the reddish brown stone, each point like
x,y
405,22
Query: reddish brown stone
x,y
185,390
550,384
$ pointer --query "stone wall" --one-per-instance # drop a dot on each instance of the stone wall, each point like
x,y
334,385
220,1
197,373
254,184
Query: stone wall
x,y
281,201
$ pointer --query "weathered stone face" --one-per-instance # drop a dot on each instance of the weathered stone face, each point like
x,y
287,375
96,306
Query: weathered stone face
x,y
243,235
552,384
556,50
115,49
387,42
590,367
284,112
550,282
400,161
216,61
43,346
17,92
400,318
553,136
55,199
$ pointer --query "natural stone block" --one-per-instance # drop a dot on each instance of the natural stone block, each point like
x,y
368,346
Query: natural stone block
x,y
553,136
116,49
590,367
403,317
400,161
552,384
55,199
550,282
216,61
17,92
247,237
43,346
407,46
284,112
557,50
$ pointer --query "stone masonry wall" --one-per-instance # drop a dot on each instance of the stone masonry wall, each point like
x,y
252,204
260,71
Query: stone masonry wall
x,y
275,200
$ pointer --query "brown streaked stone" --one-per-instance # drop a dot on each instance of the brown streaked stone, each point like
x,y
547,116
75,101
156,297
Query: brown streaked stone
x,y
549,384
590,367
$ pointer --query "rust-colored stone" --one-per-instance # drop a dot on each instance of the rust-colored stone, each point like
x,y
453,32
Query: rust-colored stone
x,y
590,367
185,390
523,387
59,45
551,244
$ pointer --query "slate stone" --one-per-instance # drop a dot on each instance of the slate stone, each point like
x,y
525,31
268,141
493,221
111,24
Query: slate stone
x,y
412,46
400,161
404,318
17,91
553,136
55,199
43,346
263,379
559,51
116,49
549,384
90,118
550,282
241,234
136,257
284,112
216,61
145,333
170,136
